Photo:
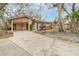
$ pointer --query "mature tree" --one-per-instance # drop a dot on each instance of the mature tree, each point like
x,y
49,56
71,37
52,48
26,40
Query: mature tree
x,y
21,9
71,15
2,9
60,8
75,19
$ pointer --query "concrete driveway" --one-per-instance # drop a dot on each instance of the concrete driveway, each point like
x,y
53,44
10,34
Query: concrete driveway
x,y
33,43
8,48
25,43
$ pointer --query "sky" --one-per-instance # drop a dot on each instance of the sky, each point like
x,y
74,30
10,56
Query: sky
x,y
46,14
49,15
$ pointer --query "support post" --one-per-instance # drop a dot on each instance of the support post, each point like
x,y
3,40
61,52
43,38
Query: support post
x,y
12,25
35,26
28,26
29,23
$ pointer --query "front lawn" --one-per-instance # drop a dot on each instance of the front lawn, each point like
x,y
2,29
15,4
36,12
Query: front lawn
x,y
5,34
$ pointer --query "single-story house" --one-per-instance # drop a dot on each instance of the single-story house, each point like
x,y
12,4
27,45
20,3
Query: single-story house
x,y
26,23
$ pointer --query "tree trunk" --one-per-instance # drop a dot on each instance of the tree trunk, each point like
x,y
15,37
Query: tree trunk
x,y
60,8
73,19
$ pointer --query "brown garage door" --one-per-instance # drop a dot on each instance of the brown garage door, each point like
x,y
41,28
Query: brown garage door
x,y
21,26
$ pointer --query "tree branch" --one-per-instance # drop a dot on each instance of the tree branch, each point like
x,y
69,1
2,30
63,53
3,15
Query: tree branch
x,y
66,11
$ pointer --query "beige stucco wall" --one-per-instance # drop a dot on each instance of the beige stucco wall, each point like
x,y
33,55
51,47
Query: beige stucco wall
x,y
21,20
32,24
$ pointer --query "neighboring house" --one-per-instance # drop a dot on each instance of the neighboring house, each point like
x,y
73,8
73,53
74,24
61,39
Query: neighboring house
x,y
26,23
